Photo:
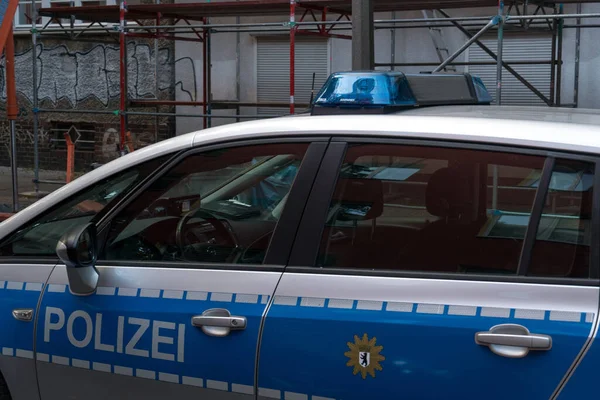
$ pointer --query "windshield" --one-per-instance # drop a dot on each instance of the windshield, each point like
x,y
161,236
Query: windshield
x,y
39,237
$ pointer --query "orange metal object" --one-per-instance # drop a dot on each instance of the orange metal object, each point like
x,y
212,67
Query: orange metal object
x,y
10,8
4,216
129,142
12,110
70,157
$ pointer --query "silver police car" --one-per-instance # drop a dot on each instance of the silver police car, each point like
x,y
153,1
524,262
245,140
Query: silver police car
x,y
423,253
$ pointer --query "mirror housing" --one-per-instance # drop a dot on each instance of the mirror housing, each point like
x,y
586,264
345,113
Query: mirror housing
x,y
77,249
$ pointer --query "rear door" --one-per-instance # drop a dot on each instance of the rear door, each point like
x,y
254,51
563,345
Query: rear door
x,y
427,271
205,241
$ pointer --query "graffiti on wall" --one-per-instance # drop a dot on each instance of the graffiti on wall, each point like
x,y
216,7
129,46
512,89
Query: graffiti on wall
x,y
76,76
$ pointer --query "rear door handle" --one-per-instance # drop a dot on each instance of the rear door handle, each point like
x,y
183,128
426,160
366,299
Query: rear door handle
x,y
23,314
219,322
513,341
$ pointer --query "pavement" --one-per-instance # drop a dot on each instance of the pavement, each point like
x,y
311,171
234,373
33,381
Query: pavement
x,y
27,193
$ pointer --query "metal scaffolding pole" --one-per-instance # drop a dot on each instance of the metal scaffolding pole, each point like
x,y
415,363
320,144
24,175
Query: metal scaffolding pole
x,y
123,76
207,41
249,116
559,57
553,69
35,105
465,46
292,55
284,24
204,76
12,112
577,56
156,75
499,52
363,54
392,44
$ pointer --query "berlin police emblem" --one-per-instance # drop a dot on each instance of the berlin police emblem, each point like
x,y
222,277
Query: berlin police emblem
x,y
364,356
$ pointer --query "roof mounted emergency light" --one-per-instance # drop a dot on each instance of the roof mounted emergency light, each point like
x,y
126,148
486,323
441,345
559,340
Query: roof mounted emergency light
x,y
377,92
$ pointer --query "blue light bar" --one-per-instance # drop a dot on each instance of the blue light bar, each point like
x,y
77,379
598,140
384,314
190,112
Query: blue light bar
x,y
375,92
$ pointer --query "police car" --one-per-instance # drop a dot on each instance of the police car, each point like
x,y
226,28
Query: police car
x,y
404,239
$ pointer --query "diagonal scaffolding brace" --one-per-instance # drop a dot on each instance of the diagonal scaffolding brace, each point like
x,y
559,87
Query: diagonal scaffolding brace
x,y
473,39
495,57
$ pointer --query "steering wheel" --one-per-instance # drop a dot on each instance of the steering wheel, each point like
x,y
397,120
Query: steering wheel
x,y
209,249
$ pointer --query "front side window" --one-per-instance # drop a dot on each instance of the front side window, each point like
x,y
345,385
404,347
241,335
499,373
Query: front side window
x,y
220,206
412,208
39,237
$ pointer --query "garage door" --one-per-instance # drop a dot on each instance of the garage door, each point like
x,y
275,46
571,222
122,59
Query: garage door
x,y
516,48
273,75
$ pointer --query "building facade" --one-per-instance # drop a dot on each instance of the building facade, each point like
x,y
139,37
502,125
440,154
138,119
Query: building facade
x,y
251,67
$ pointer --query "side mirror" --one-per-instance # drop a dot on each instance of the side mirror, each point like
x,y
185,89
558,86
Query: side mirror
x,y
77,249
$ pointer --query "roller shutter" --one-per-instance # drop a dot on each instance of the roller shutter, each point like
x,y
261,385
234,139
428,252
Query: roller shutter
x,y
273,70
516,48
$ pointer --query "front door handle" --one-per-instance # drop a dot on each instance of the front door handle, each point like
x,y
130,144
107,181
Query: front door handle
x,y
219,322
513,341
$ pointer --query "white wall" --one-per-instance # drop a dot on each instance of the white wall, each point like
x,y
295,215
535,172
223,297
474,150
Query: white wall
x,y
589,69
412,45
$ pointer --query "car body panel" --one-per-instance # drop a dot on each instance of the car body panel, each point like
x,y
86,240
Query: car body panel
x,y
426,330
138,324
585,374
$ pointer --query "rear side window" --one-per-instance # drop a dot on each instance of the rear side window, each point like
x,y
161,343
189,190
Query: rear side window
x,y
427,209
40,236
564,233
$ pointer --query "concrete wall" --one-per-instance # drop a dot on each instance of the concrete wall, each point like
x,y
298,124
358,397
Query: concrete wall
x,y
411,45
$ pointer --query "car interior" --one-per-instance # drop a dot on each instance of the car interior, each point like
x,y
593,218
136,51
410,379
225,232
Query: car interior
x,y
219,208
457,217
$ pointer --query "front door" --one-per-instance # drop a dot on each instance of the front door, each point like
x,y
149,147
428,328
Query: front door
x,y
21,285
28,257
187,267
436,272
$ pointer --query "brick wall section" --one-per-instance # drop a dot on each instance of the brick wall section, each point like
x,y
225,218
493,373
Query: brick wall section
x,y
53,156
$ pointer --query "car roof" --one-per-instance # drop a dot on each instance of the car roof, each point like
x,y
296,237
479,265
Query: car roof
x,y
545,128
557,129
514,113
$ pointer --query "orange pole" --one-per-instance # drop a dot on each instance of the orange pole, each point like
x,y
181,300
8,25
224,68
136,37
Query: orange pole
x,y
70,157
129,142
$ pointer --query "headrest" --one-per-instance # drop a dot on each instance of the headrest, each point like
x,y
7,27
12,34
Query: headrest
x,y
360,199
450,193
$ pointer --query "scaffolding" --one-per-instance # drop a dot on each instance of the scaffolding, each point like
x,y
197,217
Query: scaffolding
x,y
331,18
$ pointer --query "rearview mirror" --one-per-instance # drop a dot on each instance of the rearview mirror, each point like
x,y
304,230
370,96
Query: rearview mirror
x,y
77,249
